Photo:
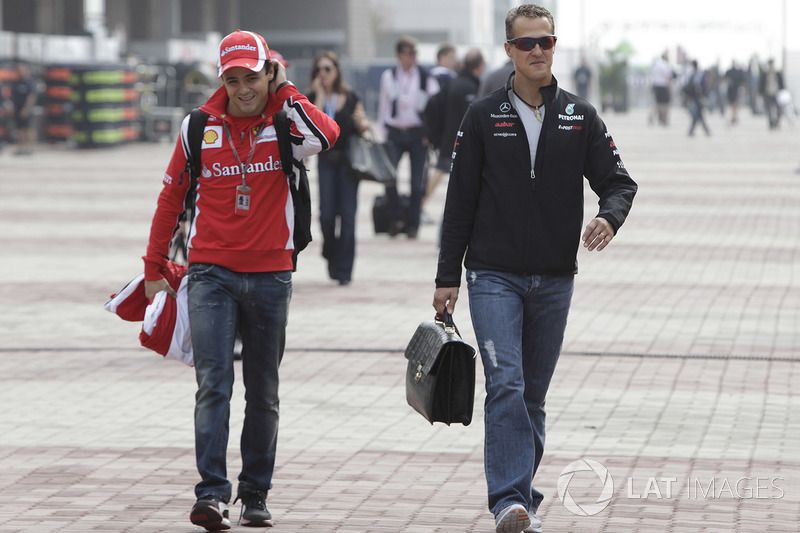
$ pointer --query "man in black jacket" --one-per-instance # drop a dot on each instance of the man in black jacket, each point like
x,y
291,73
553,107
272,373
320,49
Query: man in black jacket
x,y
513,214
458,94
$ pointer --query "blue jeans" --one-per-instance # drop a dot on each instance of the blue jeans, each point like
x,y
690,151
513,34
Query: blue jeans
x,y
519,323
412,141
696,112
256,305
338,201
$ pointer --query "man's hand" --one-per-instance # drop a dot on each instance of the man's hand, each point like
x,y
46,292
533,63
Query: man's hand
x,y
279,76
598,234
445,297
151,288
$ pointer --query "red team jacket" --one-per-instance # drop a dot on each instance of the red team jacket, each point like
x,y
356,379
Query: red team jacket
x,y
262,240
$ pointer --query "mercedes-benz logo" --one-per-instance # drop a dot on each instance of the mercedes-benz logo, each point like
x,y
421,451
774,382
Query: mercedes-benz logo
x,y
505,107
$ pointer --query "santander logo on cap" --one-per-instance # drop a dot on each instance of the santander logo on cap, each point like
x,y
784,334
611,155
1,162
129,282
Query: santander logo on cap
x,y
243,49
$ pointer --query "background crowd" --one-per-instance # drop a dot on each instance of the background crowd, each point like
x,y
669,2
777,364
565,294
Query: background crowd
x,y
419,108
757,87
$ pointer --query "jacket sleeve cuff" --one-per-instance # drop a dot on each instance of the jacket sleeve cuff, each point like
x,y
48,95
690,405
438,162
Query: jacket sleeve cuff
x,y
285,93
153,270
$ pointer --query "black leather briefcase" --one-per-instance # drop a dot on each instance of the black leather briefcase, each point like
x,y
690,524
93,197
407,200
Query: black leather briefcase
x,y
440,377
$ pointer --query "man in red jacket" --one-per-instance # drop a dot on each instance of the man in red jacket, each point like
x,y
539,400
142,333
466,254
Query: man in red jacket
x,y
240,265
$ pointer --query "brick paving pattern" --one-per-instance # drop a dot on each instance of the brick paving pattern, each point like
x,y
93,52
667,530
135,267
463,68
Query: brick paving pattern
x,y
678,374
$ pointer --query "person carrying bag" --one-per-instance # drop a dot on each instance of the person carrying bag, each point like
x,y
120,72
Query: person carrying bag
x,y
338,192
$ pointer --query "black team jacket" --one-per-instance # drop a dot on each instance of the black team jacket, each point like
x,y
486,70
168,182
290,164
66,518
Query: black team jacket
x,y
509,215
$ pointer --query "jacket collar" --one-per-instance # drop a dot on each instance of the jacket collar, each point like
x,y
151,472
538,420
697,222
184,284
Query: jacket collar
x,y
549,92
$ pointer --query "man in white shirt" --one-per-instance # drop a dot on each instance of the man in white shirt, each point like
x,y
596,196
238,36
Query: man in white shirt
x,y
662,75
405,89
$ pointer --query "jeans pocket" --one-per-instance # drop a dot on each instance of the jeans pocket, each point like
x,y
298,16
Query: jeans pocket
x,y
199,270
284,276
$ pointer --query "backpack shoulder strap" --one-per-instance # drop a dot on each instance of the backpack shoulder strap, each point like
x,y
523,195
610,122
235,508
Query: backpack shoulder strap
x,y
194,141
193,144
423,79
298,185
288,161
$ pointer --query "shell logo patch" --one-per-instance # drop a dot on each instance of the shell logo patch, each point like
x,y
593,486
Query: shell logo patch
x,y
212,137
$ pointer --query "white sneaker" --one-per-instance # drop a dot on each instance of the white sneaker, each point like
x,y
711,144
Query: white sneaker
x,y
512,519
536,525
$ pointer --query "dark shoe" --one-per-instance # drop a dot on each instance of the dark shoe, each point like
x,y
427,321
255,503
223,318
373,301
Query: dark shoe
x,y
344,282
211,513
254,510
412,233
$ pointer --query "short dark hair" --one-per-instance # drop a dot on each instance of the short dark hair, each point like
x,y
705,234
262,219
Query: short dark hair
x,y
527,10
473,60
406,41
444,50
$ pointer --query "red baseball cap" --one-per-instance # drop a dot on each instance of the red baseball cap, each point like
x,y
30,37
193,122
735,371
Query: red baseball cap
x,y
243,49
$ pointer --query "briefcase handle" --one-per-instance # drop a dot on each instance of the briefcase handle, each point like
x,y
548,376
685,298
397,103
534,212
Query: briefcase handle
x,y
447,322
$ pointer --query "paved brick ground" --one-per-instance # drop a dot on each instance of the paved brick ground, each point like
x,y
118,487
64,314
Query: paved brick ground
x,y
679,371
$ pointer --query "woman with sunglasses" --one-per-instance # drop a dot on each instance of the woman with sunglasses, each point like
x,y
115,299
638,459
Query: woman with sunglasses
x,y
338,193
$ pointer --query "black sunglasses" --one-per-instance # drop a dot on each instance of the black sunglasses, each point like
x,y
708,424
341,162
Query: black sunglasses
x,y
526,44
325,68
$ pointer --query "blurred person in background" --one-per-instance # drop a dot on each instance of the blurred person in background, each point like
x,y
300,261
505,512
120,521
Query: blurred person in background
x,y
694,91
736,78
404,93
583,79
662,75
446,64
445,72
23,98
457,97
496,78
716,100
338,192
770,85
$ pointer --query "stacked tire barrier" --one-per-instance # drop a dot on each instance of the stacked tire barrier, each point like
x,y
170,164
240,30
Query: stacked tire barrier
x,y
93,105
8,74
58,105
105,105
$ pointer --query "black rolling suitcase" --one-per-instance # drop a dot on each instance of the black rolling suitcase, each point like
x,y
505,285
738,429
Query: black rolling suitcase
x,y
382,217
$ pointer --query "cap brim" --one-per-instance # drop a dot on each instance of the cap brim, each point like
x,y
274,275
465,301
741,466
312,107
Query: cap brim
x,y
244,63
